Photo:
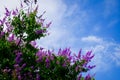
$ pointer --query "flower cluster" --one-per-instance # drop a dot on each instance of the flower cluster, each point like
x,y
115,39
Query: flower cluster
x,y
63,62
21,59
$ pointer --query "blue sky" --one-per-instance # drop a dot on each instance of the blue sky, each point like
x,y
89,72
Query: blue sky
x,y
83,24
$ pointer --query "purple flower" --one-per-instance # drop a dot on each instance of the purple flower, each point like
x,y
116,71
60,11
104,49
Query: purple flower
x,y
41,21
40,31
37,77
7,24
79,77
7,12
48,25
40,55
36,9
18,58
16,10
33,43
23,65
79,55
77,68
66,52
11,37
1,22
18,41
50,55
16,65
64,64
9,27
88,56
47,62
2,34
14,13
19,77
21,5
91,67
32,67
88,77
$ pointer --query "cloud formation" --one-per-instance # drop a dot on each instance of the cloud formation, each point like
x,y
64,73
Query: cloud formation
x,y
91,39
60,32
106,52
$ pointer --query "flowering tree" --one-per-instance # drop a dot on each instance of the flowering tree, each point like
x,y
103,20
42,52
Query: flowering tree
x,y
21,59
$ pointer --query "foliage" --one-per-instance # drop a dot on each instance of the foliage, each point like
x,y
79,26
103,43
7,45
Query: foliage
x,y
21,59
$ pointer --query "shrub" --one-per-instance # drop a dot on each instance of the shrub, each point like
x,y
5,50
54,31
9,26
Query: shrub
x,y
21,59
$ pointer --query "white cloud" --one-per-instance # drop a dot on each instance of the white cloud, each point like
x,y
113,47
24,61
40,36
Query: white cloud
x,y
60,33
116,55
55,9
106,52
91,39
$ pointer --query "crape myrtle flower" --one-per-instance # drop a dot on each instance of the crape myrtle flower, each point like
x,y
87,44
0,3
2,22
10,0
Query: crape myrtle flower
x,y
41,21
11,38
36,9
91,67
88,77
39,54
33,43
50,54
40,31
18,58
88,56
77,68
78,57
79,77
19,77
9,27
23,65
2,34
15,12
38,77
7,13
21,5
2,21
18,41
17,68
66,52
16,71
47,62
64,64
48,25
